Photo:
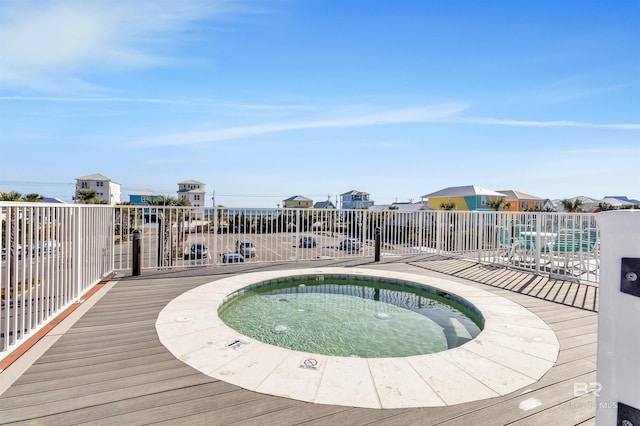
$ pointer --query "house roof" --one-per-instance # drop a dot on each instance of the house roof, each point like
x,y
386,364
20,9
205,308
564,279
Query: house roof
x,y
53,200
353,192
517,195
584,199
463,191
324,205
96,177
298,198
190,182
145,192
624,199
616,201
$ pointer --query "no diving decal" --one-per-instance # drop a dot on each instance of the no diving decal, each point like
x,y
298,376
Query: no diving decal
x,y
309,364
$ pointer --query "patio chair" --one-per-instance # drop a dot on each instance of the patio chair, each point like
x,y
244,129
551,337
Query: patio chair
x,y
572,244
506,245
591,245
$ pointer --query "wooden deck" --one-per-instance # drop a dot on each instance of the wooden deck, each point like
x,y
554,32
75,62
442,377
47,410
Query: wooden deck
x,y
109,367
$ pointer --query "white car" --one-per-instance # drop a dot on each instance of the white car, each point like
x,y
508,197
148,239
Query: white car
x,y
245,248
350,244
232,258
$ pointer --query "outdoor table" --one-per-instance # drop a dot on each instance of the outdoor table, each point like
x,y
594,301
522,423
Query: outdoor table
x,y
541,242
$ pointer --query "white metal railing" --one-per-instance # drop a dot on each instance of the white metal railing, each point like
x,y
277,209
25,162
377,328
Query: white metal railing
x,y
53,254
562,244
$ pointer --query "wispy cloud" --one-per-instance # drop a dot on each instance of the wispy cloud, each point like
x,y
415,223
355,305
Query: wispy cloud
x,y
616,151
198,102
90,100
438,113
450,113
49,46
577,86
531,123
566,95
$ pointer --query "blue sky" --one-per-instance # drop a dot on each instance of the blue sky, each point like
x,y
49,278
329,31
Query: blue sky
x,y
262,100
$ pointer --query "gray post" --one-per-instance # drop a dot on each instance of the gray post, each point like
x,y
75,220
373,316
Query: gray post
x,y
616,386
136,253
377,245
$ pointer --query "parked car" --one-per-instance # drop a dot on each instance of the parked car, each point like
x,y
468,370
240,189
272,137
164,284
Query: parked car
x,y
232,258
307,241
17,252
350,244
245,248
198,251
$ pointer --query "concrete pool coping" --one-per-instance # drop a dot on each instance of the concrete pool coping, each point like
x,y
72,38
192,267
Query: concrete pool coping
x,y
514,350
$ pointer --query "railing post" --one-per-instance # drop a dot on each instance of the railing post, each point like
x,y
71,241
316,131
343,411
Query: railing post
x,y
377,245
480,225
363,229
78,240
216,227
439,225
136,253
538,246
160,218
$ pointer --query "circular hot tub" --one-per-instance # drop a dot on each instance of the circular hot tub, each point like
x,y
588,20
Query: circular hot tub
x,y
511,348
355,316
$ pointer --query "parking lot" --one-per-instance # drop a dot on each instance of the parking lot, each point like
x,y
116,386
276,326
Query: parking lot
x,y
277,247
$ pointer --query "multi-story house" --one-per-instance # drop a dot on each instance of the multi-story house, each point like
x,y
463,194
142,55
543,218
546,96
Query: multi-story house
x,y
356,200
105,189
297,201
192,191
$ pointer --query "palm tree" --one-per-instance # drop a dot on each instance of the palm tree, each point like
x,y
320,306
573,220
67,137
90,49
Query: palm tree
x,y
448,206
164,224
168,201
87,196
605,206
572,205
497,204
10,196
33,198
